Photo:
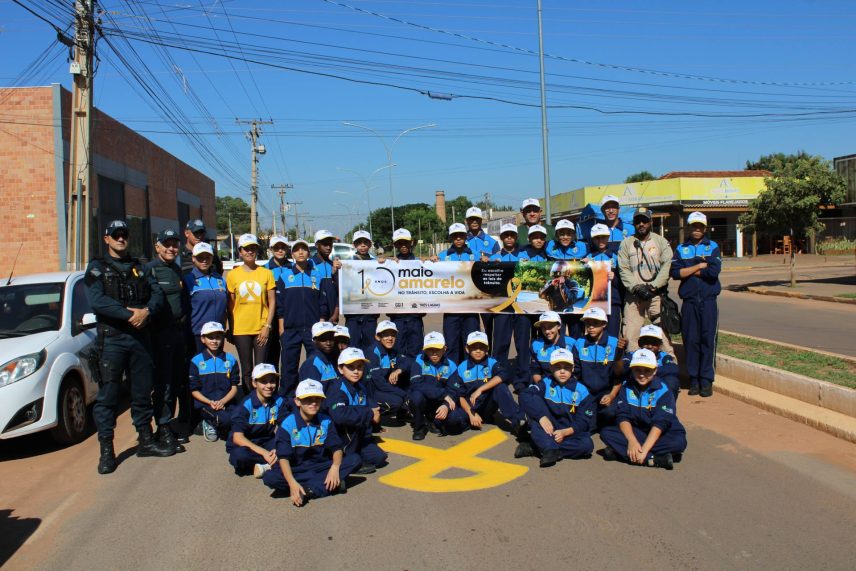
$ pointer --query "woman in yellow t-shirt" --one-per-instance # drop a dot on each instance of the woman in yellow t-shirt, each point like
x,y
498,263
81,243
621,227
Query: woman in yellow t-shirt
x,y
252,307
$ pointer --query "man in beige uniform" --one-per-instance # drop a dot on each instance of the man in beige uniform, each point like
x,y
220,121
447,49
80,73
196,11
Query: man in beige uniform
x,y
644,261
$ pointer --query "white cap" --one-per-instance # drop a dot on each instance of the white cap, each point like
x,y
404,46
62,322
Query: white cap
x,y
595,314
202,248
212,327
609,198
247,240
600,230
651,331
457,228
548,317
561,355
277,239
299,241
530,202
474,212
309,388
263,370
537,228
323,235
360,235
386,326
322,327
643,358
352,355
477,337
562,224
342,331
401,234
434,340
507,228
697,217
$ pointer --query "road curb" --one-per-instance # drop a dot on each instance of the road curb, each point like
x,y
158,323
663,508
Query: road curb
x,y
831,422
791,346
798,295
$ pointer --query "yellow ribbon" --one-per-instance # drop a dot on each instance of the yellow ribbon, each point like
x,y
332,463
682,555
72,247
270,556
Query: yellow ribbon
x,y
515,286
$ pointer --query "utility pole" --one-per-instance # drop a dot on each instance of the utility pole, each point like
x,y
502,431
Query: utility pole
x,y
296,219
544,145
282,188
80,150
253,136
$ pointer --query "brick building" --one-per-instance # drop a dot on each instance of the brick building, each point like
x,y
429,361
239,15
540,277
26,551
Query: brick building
x,y
133,179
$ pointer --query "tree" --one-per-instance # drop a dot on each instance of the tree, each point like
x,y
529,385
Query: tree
x,y
456,209
420,218
801,184
641,176
239,211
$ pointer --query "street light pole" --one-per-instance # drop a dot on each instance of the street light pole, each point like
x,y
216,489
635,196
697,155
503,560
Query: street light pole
x,y
366,180
389,149
544,145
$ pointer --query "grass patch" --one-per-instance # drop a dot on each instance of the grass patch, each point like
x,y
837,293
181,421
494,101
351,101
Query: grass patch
x,y
803,362
846,295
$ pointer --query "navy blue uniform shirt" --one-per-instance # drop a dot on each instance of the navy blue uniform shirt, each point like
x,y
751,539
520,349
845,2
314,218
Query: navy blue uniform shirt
x,y
643,408
258,420
569,405
213,375
303,444
706,285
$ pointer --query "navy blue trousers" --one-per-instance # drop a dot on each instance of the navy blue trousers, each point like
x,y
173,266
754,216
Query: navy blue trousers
x,y
243,459
699,322
360,442
424,401
292,339
362,330
504,325
123,352
410,334
456,327
670,442
170,374
390,398
498,398
220,419
311,475
578,445
613,323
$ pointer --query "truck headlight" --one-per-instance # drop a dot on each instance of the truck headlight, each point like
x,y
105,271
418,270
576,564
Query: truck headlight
x,y
22,367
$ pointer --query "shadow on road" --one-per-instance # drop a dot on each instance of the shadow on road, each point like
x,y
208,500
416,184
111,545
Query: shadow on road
x,y
835,280
15,532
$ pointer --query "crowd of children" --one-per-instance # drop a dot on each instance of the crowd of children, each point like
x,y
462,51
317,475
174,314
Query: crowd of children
x,y
303,428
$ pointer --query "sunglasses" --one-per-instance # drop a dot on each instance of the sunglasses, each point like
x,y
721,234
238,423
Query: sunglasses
x,y
119,236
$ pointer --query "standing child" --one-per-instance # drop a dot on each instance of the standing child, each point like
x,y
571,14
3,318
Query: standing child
x,y
434,389
328,267
354,412
595,353
507,324
561,414
251,445
389,372
456,325
485,391
312,462
600,252
410,327
341,339
362,326
319,362
647,431
535,251
214,381
277,264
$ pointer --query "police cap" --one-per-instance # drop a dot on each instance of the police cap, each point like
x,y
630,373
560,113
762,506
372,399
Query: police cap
x,y
115,226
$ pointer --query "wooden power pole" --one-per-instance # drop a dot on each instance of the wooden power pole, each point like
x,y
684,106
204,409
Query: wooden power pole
x,y
253,135
282,188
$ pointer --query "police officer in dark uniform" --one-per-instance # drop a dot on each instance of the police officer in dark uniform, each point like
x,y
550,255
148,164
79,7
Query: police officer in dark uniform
x,y
195,232
169,331
123,295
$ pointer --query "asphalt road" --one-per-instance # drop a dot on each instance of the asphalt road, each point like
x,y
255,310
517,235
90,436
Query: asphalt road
x,y
754,490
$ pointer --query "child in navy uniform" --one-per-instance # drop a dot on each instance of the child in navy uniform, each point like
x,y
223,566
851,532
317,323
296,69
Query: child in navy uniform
x,y
410,326
485,390
319,362
456,325
251,444
362,326
651,338
354,412
389,372
595,354
600,252
213,382
434,390
341,339
550,325
566,247
312,462
647,431
561,414
535,251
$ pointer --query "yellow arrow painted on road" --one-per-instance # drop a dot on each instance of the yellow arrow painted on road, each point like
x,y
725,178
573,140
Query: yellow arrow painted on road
x,y
422,476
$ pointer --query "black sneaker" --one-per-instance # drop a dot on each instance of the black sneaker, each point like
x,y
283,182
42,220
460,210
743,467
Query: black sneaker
x,y
663,461
420,433
366,469
524,450
107,461
677,457
550,457
517,426
694,390
609,454
706,390
343,487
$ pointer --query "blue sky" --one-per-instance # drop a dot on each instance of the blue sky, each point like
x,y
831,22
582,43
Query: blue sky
x,y
684,86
